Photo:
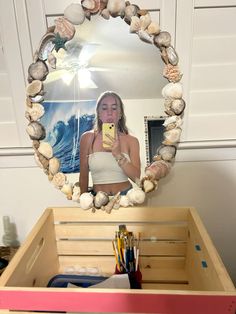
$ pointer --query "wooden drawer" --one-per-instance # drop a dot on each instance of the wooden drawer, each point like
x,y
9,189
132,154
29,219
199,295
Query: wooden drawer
x,y
181,269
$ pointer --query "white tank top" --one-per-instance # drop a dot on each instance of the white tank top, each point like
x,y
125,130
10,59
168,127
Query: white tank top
x,y
105,169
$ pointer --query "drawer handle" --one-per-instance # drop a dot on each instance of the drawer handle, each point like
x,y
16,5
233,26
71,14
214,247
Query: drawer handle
x,y
34,256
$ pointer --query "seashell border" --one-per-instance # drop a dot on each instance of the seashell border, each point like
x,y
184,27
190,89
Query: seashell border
x,y
140,23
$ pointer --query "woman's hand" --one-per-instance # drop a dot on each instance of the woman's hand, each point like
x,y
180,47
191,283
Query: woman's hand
x,y
114,144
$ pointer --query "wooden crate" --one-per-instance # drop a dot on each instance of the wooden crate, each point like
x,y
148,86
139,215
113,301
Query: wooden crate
x,y
182,272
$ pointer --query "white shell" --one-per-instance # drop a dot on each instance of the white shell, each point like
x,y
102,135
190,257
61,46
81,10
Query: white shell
x,y
59,180
46,150
124,201
136,196
144,36
145,21
54,165
173,122
76,193
86,200
101,199
36,111
172,90
135,25
52,60
172,55
74,13
167,152
116,7
173,136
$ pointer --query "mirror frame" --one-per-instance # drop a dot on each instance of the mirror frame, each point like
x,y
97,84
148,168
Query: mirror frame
x,y
55,38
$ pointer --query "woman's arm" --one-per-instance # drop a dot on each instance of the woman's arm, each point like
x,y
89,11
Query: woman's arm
x,y
132,168
84,168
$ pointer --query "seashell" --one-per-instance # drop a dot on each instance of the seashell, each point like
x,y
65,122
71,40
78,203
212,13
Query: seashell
x,y
163,39
46,45
52,61
103,4
105,14
67,189
38,70
101,199
36,111
153,28
124,201
144,36
167,152
92,6
35,144
172,136
172,55
46,150
34,88
149,185
59,180
157,170
136,196
174,106
43,160
130,10
86,200
54,165
108,208
172,73
145,21
74,13
36,131
135,24
28,102
76,192
64,28
27,116
37,98
116,7
50,177
172,122
38,162
172,90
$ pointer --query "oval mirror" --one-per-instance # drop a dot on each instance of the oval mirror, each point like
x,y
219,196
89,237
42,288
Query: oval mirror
x,y
81,56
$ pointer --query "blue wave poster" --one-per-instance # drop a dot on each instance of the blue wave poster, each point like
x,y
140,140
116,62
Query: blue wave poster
x,y
65,122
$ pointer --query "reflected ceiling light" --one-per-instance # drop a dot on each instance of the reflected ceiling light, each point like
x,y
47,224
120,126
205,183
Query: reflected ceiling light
x,y
67,77
84,78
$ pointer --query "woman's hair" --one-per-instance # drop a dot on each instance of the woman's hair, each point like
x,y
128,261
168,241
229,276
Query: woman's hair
x,y
121,123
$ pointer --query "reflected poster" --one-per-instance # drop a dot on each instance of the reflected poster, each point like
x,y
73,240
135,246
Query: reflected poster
x,y
65,122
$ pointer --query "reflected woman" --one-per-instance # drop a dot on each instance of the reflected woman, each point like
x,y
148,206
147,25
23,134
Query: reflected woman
x,y
110,167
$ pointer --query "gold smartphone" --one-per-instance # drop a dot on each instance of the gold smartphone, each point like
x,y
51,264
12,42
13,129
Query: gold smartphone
x,y
107,128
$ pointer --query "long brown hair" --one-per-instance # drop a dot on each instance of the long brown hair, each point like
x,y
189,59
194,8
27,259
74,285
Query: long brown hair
x,y
121,123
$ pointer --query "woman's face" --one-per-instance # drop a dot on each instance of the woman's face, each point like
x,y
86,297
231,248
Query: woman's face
x,y
109,110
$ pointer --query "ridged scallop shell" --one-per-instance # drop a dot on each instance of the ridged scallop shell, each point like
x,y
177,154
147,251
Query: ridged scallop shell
x,y
167,152
64,28
46,46
163,39
130,10
34,88
54,165
145,21
135,24
172,55
74,13
46,150
36,111
59,180
38,70
153,28
173,90
144,36
116,7
172,136
36,131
